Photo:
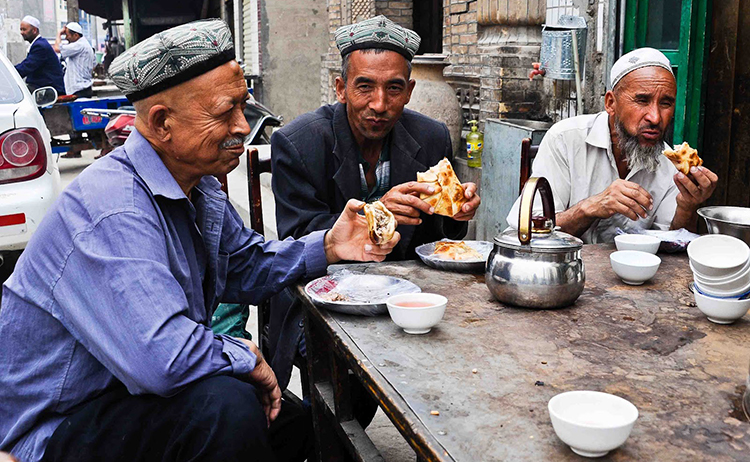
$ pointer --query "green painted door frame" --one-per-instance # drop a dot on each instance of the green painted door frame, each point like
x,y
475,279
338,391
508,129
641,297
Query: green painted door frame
x,y
689,58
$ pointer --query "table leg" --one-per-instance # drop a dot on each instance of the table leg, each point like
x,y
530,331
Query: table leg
x,y
327,445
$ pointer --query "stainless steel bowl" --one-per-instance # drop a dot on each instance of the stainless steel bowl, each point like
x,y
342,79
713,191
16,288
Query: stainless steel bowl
x,y
733,221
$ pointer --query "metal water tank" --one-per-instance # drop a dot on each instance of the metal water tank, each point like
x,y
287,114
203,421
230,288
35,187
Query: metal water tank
x,y
557,57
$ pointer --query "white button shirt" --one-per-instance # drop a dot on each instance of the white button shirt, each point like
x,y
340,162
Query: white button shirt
x,y
80,60
576,158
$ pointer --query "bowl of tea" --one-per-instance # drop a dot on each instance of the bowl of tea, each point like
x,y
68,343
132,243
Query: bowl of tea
x,y
416,313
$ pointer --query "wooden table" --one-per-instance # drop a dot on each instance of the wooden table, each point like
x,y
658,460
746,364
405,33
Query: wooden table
x,y
648,344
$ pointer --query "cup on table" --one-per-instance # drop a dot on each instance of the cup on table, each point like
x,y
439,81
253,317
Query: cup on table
x,y
592,423
721,276
633,266
640,242
717,256
416,313
720,310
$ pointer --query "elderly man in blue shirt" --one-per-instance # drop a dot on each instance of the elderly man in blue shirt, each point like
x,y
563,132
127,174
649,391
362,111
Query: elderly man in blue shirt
x,y
41,67
107,351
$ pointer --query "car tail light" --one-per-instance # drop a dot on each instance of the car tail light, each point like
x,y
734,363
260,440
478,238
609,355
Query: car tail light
x,y
22,155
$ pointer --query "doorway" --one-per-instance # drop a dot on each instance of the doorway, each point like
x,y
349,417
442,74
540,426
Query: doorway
x,y
679,29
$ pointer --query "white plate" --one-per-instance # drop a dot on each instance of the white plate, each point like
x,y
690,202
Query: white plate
x,y
365,293
426,251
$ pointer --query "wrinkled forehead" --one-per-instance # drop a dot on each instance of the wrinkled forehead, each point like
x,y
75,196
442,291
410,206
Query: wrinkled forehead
x,y
648,80
225,84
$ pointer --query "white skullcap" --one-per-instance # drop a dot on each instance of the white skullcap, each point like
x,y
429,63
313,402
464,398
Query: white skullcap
x,y
32,21
636,59
75,27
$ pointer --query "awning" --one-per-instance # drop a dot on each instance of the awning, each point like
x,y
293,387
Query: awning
x,y
108,9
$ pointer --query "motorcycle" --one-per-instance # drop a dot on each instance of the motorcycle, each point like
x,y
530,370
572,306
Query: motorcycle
x,y
122,123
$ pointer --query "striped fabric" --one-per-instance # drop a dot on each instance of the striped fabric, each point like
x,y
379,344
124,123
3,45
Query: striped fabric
x,y
80,62
383,184
382,174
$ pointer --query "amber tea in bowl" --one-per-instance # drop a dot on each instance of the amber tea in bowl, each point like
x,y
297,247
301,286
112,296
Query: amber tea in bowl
x,y
416,313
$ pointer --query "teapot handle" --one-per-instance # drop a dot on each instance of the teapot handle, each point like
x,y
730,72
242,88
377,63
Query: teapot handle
x,y
527,206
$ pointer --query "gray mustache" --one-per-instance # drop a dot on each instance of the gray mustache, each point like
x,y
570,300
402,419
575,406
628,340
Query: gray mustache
x,y
230,143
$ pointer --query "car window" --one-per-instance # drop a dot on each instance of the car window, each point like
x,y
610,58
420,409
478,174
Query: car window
x,y
9,89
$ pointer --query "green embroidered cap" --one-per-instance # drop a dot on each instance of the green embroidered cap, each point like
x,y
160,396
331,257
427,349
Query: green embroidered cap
x,y
377,32
172,57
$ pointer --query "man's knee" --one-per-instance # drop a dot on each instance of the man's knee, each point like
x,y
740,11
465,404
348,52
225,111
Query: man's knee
x,y
226,420
227,402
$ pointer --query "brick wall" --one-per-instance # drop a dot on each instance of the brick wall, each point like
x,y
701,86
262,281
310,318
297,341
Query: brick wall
x,y
460,38
399,12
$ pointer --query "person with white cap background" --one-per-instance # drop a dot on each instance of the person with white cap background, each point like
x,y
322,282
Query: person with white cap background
x,y
607,170
40,68
79,64
79,58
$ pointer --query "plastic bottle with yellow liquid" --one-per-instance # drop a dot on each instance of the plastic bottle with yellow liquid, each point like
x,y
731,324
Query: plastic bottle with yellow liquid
x,y
474,145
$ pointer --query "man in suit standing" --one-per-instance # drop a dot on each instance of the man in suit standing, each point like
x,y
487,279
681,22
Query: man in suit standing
x,y
367,146
41,68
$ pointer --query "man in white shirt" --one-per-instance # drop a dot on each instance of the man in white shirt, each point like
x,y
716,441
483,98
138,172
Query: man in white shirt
x,y
607,170
80,61
79,57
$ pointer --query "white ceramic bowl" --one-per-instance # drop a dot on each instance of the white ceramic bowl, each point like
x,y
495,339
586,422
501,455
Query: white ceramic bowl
x,y
416,319
634,267
718,255
641,242
592,423
721,310
745,270
731,288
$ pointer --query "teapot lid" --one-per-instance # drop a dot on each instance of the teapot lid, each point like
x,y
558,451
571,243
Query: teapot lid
x,y
547,242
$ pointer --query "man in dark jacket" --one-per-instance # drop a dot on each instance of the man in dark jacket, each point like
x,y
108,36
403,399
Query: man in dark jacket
x,y
41,68
368,147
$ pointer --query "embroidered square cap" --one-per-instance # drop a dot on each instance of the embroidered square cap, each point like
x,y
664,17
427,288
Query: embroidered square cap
x,y
377,32
637,59
172,57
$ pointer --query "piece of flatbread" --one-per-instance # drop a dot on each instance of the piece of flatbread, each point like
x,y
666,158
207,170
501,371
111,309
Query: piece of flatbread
x,y
449,196
380,222
683,157
455,251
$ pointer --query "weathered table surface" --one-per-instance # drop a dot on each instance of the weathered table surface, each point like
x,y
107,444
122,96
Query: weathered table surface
x,y
648,344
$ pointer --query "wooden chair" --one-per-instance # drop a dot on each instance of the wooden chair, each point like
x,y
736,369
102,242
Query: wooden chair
x,y
528,153
256,166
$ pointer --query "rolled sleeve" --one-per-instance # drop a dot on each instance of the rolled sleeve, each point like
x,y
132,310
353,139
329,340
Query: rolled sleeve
x,y
239,355
315,254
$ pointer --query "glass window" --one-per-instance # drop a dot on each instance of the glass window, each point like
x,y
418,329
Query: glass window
x,y
10,92
663,30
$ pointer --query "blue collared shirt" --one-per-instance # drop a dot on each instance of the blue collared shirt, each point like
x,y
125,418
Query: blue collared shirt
x,y
118,285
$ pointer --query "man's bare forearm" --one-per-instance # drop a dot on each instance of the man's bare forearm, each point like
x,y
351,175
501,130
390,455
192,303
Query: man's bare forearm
x,y
575,220
687,219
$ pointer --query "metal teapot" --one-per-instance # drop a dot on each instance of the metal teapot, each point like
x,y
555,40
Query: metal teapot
x,y
536,266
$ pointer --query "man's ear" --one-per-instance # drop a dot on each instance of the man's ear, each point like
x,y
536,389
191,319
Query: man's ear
x,y
610,102
159,122
409,89
340,90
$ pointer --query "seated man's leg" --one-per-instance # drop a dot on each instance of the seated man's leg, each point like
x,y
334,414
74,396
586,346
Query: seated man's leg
x,y
287,339
286,329
219,418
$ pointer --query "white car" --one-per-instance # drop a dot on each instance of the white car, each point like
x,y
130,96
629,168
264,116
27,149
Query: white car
x,y
29,175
